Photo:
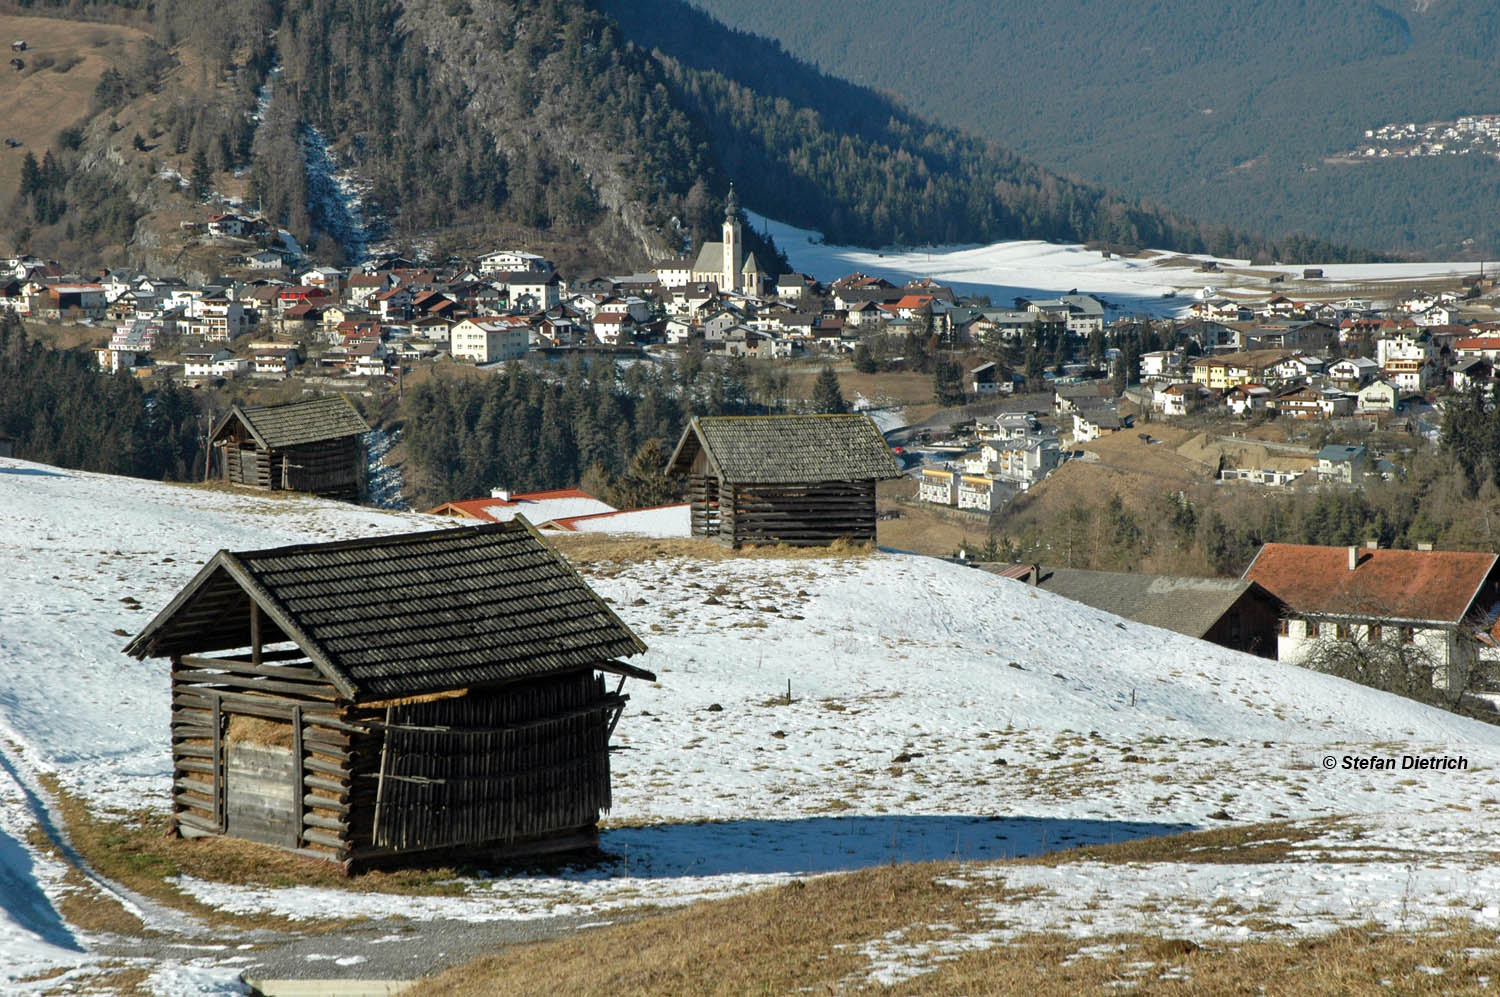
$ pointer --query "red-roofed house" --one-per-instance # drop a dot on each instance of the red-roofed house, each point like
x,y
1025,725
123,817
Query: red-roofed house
x,y
538,507
1479,348
1434,601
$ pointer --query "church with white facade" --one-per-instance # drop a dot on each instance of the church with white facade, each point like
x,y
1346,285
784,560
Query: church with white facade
x,y
725,263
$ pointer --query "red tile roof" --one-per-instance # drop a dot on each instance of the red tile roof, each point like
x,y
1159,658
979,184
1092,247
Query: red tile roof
x,y
1409,585
476,508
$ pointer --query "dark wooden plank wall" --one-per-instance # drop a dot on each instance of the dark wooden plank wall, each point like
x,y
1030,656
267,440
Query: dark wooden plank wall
x,y
334,468
491,768
798,514
703,499
246,466
207,691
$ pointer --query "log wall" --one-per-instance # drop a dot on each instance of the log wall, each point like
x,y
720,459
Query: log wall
x,y
517,770
810,514
311,815
703,505
332,468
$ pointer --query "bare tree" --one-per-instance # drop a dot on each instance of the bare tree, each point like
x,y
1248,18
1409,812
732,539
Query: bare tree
x,y
1421,663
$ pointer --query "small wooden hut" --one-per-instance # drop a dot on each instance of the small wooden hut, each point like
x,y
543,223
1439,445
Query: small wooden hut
x,y
432,695
312,446
793,479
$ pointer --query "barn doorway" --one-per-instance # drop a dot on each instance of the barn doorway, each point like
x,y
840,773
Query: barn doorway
x,y
262,783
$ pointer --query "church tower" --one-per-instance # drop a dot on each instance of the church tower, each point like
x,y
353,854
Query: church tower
x,y
734,246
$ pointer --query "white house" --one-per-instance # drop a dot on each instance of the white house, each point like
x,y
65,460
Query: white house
x,y
489,340
1354,371
938,487
1428,605
1377,396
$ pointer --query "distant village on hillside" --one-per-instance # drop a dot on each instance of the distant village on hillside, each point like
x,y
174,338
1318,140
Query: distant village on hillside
x,y
1352,364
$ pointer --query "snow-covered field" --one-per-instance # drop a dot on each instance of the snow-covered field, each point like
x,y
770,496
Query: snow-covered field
x,y
1028,268
935,711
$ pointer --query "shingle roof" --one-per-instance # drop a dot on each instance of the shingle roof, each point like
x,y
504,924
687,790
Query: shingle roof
x,y
1408,585
276,426
1183,605
402,615
774,449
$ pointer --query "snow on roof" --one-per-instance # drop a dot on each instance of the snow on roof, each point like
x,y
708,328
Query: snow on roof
x,y
538,507
652,521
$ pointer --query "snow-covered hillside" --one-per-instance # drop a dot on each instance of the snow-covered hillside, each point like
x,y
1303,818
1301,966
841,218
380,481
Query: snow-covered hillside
x,y
1029,268
935,711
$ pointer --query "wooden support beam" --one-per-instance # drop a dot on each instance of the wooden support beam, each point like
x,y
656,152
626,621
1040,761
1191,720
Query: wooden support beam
x,y
255,633
299,811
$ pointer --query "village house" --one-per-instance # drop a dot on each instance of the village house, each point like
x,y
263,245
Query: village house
x,y
1092,422
1378,396
1342,464
1019,462
1429,604
1407,361
938,486
1160,364
1181,398
1353,373
1234,613
1467,373
1226,370
504,505
489,340
1245,400
980,493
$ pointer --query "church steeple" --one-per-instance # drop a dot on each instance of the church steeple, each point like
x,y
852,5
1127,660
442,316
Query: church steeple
x,y
734,248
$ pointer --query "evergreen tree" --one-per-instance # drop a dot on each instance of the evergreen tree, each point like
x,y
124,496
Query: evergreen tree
x,y
202,176
864,359
646,482
827,396
948,382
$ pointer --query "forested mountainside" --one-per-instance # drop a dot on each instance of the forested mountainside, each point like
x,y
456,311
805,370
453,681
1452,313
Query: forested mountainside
x,y
1231,113
615,127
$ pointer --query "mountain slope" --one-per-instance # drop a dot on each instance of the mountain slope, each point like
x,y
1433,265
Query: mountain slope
x,y
1227,113
609,131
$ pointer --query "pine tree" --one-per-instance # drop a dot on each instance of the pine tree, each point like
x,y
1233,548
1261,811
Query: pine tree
x,y
827,396
202,176
864,360
948,382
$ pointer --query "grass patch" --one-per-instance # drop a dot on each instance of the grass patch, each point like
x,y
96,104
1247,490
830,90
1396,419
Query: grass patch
x,y
827,935
137,852
588,549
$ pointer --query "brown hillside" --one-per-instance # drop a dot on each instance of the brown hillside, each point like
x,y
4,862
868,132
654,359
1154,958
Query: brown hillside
x,y
64,60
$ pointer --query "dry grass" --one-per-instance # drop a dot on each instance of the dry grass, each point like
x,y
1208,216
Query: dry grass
x,y
895,387
814,935
64,61
137,852
818,936
593,549
258,730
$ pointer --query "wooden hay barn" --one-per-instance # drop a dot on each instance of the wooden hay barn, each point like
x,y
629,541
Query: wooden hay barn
x,y
795,479
428,696
312,446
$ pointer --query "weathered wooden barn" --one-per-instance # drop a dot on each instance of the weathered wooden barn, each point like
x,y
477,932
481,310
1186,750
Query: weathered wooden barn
x,y
433,695
793,479
313,446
